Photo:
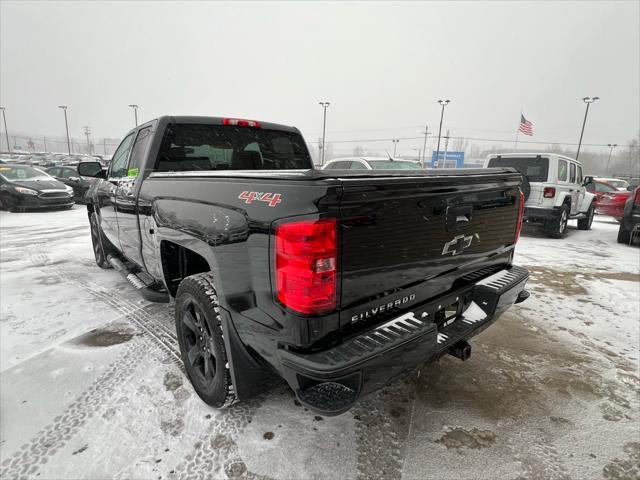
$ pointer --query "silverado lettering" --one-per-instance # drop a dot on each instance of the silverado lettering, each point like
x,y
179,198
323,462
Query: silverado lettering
x,y
382,308
286,290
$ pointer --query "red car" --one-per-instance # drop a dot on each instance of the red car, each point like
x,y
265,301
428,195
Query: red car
x,y
612,203
599,188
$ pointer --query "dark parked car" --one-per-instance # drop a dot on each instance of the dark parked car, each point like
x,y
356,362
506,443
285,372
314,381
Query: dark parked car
x,y
337,280
23,187
70,176
630,222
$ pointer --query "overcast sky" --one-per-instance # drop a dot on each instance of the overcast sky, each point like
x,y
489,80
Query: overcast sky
x,y
381,65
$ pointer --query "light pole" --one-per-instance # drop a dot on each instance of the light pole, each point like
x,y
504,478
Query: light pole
x,y
135,112
87,132
395,144
588,101
444,103
424,147
6,133
66,125
611,147
324,126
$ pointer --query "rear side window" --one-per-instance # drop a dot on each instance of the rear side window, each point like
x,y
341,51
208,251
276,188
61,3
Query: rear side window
x,y
572,172
340,165
68,173
536,169
187,147
562,170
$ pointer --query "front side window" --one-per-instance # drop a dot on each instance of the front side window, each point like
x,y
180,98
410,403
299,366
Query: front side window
x,y
119,161
604,187
562,170
579,179
139,149
188,147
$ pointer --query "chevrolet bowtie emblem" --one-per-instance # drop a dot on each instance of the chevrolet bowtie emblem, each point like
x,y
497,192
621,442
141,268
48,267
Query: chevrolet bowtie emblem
x,y
457,245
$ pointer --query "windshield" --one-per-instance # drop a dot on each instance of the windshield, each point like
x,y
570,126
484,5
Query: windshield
x,y
23,173
393,165
618,183
535,169
188,147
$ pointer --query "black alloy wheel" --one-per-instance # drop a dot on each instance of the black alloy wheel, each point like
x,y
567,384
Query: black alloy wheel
x,y
199,329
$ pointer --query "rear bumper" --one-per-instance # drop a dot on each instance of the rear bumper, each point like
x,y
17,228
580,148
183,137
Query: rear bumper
x,y
330,381
540,214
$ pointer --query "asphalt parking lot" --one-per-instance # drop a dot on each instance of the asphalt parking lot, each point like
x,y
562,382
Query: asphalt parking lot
x,y
91,384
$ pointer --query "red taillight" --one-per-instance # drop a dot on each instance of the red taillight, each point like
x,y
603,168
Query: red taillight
x,y
549,192
239,122
520,216
306,265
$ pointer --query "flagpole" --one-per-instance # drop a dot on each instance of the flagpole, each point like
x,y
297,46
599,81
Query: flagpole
x,y
515,145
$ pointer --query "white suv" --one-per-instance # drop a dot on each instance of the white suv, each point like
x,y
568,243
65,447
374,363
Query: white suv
x,y
554,190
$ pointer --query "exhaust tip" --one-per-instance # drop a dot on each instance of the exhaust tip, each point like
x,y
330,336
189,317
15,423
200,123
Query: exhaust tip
x,y
461,350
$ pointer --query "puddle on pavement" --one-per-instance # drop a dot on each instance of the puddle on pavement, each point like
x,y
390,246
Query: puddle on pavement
x,y
102,337
516,371
571,282
461,438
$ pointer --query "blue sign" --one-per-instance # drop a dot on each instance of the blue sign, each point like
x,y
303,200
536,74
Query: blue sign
x,y
453,160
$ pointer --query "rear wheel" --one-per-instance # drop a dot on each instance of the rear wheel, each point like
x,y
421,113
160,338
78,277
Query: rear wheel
x,y
557,227
624,235
585,223
101,246
199,329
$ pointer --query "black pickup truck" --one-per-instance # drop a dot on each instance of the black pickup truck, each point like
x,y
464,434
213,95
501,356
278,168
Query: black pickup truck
x,y
338,281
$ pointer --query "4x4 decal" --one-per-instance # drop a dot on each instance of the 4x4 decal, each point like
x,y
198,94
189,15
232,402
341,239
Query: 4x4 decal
x,y
272,199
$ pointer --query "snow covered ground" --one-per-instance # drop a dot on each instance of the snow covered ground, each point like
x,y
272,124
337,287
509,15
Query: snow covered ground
x,y
91,386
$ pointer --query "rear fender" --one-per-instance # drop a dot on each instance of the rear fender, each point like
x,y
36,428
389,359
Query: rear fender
x,y
562,198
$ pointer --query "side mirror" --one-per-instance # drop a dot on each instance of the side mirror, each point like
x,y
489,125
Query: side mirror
x,y
91,169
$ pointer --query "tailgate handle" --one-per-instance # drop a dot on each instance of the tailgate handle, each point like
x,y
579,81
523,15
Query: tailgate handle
x,y
458,217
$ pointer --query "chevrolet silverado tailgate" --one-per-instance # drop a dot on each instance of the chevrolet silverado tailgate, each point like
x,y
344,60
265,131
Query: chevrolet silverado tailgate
x,y
422,228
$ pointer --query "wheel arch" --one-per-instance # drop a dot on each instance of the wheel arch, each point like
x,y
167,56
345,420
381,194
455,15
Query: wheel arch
x,y
180,259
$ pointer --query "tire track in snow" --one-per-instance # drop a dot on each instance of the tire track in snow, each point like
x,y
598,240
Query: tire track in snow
x,y
34,454
382,428
216,455
156,331
217,445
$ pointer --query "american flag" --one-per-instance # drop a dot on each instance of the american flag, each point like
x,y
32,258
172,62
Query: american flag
x,y
526,126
